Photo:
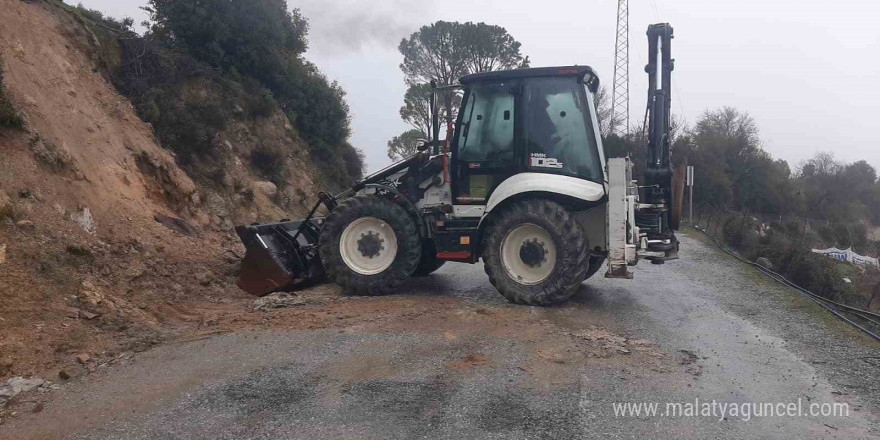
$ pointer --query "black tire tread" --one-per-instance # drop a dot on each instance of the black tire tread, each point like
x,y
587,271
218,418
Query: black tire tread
x,y
572,264
408,242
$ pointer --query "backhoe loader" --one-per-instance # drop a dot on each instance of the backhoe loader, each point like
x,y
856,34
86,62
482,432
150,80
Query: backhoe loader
x,y
521,182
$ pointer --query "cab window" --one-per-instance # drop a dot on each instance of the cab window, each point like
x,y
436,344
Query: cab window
x,y
558,135
487,124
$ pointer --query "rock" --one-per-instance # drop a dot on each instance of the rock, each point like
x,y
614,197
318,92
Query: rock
x,y
70,372
176,224
87,315
26,226
2,254
205,277
83,217
6,208
89,293
278,300
266,188
83,358
765,263
18,50
17,385
71,312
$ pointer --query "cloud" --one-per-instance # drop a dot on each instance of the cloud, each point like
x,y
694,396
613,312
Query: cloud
x,y
345,26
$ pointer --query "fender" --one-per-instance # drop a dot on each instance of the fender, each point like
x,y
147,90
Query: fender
x,y
551,183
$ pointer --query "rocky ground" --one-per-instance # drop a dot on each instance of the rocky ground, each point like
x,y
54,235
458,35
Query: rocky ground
x,y
449,358
107,246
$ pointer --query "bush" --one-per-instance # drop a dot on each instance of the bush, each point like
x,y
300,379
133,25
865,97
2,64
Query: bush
x,y
260,43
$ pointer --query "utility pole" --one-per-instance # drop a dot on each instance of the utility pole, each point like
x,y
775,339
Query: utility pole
x,y
620,91
690,183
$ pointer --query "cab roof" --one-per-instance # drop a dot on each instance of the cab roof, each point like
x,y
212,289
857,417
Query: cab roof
x,y
585,72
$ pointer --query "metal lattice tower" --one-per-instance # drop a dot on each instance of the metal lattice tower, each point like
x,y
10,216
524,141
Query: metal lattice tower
x,y
620,90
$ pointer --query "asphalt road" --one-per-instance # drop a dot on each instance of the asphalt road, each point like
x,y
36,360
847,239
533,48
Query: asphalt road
x,y
451,359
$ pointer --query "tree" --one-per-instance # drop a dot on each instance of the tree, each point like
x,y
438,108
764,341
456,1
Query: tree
x,y
444,51
603,113
404,146
256,37
416,110
489,47
262,40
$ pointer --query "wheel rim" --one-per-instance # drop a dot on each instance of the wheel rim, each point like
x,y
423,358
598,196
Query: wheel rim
x,y
528,254
368,245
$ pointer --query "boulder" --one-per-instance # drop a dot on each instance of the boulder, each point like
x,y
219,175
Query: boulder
x,y
83,217
26,226
90,294
266,188
765,263
15,386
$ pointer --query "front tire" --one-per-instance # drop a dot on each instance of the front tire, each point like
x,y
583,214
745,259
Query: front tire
x,y
535,253
369,245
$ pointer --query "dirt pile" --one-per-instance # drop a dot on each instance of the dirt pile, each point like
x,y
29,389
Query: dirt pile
x,y
106,244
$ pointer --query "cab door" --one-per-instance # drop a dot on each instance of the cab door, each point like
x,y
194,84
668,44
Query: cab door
x,y
484,148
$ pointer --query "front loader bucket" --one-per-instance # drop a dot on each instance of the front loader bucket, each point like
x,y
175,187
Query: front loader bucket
x,y
279,255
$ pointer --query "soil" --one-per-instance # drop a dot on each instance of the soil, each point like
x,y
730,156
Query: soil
x,y
106,245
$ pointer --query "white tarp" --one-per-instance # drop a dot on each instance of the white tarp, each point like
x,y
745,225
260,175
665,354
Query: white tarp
x,y
849,256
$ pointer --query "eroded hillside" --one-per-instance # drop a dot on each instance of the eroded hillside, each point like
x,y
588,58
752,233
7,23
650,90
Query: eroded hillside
x,y
106,243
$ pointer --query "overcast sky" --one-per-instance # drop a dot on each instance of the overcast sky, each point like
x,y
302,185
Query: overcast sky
x,y
807,71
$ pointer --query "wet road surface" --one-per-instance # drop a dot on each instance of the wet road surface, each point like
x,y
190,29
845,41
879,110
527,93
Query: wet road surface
x,y
451,359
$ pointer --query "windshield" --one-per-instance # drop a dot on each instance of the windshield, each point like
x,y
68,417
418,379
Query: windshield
x,y
559,135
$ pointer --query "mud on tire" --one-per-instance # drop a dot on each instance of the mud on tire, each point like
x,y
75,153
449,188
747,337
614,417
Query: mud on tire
x,y
572,252
409,246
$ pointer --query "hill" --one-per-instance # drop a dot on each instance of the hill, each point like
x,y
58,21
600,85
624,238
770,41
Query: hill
x,y
115,232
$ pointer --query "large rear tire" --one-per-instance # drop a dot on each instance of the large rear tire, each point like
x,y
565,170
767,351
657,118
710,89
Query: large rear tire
x,y
369,245
535,253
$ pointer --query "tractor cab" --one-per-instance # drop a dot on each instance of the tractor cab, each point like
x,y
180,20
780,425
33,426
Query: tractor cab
x,y
539,120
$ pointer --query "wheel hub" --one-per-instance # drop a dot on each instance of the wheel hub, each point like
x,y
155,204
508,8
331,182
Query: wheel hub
x,y
528,254
370,244
532,253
